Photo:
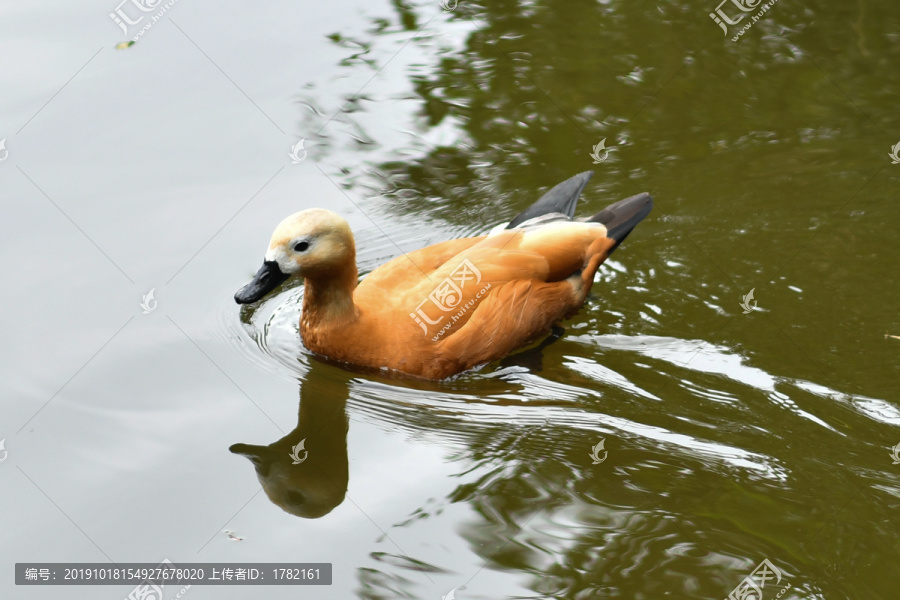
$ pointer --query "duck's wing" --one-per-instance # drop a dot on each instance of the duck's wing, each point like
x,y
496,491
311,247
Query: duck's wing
x,y
445,296
560,201
553,250
409,268
513,314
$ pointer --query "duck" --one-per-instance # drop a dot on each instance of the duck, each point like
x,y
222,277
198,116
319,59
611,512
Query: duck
x,y
453,306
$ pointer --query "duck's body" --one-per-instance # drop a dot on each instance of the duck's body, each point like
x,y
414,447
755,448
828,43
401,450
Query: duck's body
x,y
449,307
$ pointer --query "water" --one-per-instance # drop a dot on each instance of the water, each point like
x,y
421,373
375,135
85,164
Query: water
x,y
728,437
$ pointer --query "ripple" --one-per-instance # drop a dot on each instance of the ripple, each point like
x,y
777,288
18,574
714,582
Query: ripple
x,y
697,355
873,408
606,376
268,334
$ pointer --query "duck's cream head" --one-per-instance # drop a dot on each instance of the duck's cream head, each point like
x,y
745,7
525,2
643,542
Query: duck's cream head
x,y
314,243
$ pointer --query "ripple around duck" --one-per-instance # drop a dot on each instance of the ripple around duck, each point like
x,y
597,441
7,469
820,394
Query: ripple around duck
x,y
697,355
872,408
511,397
705,357
606,376
461,419
268,334
460,411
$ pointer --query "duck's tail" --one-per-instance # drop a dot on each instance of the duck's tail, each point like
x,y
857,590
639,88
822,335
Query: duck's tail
x,y
623,216
559,203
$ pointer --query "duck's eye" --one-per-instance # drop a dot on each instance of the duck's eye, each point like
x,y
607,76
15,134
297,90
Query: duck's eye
x,y
301,246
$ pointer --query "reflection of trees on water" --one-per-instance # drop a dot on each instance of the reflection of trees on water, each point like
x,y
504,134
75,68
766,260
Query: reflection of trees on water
x,y
531,88
644,521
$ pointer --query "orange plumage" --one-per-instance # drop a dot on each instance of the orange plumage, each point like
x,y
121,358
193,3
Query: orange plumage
x,y
452,306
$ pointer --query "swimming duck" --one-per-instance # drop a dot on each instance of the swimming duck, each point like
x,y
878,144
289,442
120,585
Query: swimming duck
x,y
452,306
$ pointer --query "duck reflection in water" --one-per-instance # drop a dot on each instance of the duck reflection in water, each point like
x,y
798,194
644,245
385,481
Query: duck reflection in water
x,y
306,472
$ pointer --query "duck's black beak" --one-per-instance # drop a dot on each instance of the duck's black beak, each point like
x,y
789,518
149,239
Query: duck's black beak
x,y
266,279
